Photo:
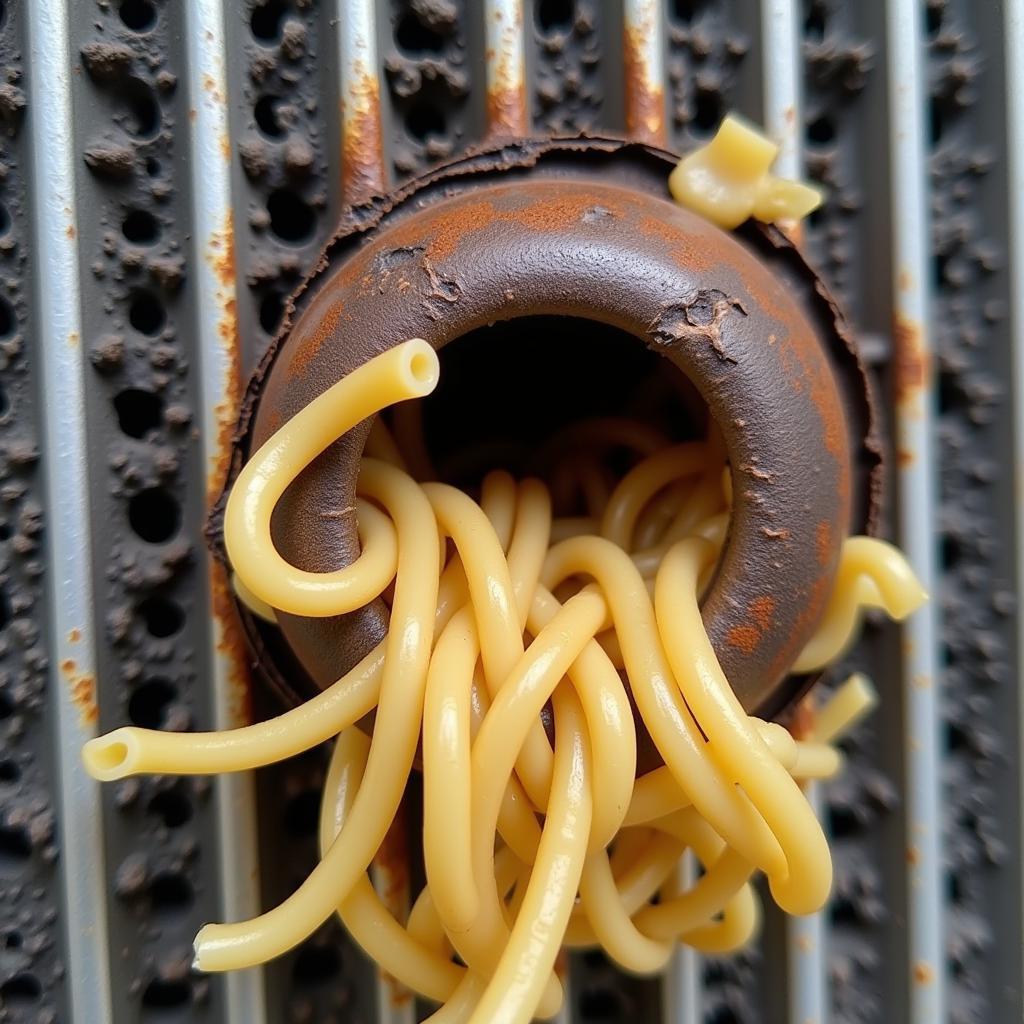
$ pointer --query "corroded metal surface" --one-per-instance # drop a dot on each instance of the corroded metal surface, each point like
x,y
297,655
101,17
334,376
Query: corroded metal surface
x,y
685,289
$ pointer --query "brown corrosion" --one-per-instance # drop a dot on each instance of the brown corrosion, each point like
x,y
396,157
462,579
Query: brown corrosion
x,y
430,260
645,101
910,363
923,973
507,113
362,140
392,863
83,691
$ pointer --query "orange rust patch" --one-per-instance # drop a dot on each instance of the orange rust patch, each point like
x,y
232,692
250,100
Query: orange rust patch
x,y
225,147
645,103
904,458
220,254
685,257
913,855
74,338
802,724
910,360
506,112
70,232
823,542
83,691
74,635
231,644
324,328
745,638
210,86
923,974
392,862
362,140
763,608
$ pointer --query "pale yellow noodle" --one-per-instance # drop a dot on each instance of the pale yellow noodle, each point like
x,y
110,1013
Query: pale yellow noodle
x,y
447,830
134,751
658,697
802,886
413,963
259,608
844,709
395,732
498,503
515,988
642,482
659,512
409,370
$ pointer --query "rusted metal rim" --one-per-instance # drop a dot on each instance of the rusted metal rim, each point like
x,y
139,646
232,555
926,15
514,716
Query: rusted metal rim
x,y
582,228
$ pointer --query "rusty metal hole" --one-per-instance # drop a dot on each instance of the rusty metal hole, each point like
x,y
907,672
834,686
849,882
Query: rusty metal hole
x,y
266,21
555,15
138,411
154,515
138,15
821,130
5,220
172,807
688,10
9,771
318,961
292,219
265,112
146,312
412,35
143,120
15,845
21,990
424,119
161,994
148,705
271,311
708,111
171,892
162,616
13,940
7,319
141,227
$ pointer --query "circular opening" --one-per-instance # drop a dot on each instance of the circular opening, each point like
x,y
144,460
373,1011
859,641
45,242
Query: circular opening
x,y
423,368
138,411
5,404
553,15
160,994
170,891
21,990
163,617
141,227
146,313
13,940
5,220
688,10
7,319
9,771
623,379
291,218
138,15
15,845
154,515
708,114
266,116
147,707
266,21
108,757
152,167
172,807
411,34
424,119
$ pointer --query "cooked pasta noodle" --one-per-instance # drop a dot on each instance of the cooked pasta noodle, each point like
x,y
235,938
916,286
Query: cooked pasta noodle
x,y
503,618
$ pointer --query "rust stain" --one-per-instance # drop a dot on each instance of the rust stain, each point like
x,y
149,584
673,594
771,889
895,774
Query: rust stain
x,y
210,86
823,542
913,855
74,635
506,112
905,458
802,724
645,100
362,139
192,114
745,638
83,691
225,147
923,974
910,362
763,608
904,280
70,232
220,254
324,329
74,338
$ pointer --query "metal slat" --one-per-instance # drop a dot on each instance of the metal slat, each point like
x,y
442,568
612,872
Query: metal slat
x,y
1014,65
806,958
217,344
66,483
508,111
915,430
644,70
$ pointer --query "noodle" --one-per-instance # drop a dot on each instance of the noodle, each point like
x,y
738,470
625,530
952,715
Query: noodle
x,y
520,612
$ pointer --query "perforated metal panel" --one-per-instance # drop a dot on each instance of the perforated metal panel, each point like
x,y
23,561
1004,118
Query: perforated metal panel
x,y
169,172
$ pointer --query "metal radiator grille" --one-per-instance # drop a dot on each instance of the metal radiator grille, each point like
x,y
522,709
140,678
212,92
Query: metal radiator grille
x,y
169,171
